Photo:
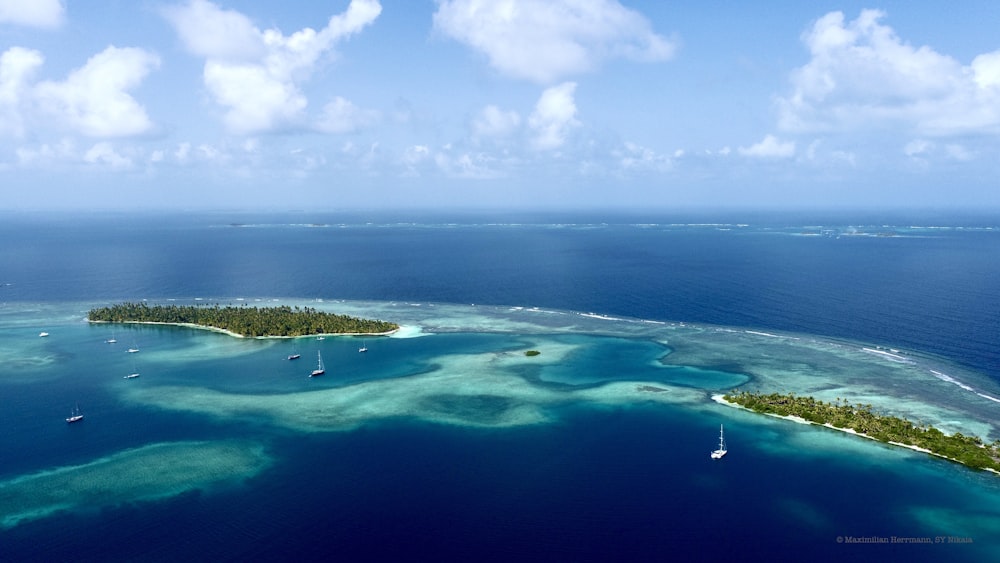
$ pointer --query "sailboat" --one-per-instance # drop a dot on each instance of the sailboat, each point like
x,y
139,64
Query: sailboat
x,y
134,373
717,454
364,347
319,369
294,355
112,340
75,415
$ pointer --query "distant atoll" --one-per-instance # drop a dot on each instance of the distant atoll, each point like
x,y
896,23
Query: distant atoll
x,y
863,421
245,321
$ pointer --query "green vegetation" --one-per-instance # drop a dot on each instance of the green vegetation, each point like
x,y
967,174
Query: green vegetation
x,y
243,320
969,450
532,353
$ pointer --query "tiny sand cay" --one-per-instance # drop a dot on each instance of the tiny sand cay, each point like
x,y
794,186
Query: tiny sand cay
x,y
143,474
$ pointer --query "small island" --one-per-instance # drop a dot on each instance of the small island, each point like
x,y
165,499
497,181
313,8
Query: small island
x,y
245,321
862,420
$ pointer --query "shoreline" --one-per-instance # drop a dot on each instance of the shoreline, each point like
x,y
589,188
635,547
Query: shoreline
x,y
238,335
718,398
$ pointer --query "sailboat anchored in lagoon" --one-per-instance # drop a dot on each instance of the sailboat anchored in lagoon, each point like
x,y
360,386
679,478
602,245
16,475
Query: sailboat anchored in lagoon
x,y
319,368
717,454
75,415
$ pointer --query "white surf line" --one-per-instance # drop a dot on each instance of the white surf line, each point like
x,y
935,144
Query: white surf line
x,y
602,317
950,379
887,355
758,333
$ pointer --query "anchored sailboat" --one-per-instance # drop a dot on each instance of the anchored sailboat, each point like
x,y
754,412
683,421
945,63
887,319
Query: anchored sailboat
x,y
717,454
75,415
134,374
319,369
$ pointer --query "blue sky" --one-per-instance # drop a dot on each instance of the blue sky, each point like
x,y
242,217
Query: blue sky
x,y
556,104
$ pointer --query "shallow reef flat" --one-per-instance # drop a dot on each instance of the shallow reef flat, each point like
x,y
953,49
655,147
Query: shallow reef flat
x,y
147,473
477,390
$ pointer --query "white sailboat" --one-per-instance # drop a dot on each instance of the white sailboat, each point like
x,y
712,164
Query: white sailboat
x,y
134,373
319,369
717,454
364,347
75,415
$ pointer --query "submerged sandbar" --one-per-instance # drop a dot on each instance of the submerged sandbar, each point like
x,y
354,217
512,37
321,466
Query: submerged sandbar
x,y
142,474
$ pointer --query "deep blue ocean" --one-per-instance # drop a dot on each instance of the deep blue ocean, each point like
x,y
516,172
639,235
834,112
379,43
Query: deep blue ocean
x,y
607,484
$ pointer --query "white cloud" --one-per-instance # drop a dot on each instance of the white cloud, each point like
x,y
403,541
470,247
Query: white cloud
x,y
477,166
861,76
413,157
637,157
917,147
494,122
545,41
924,149
105,153
255,75
211,32
46,153
17,69
554,117
94,100
32,13
342,116
183,151
770,147
255,100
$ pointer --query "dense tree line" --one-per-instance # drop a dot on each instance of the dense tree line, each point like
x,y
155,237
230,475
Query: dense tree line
x,y
969,450
244,320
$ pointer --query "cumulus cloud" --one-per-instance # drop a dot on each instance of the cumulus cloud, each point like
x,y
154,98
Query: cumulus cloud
x,y
342,116
256,75
104,153
17,70
547,40
636,157
473,166
93,100
770,147
494,122
862,75
554,117
32,13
